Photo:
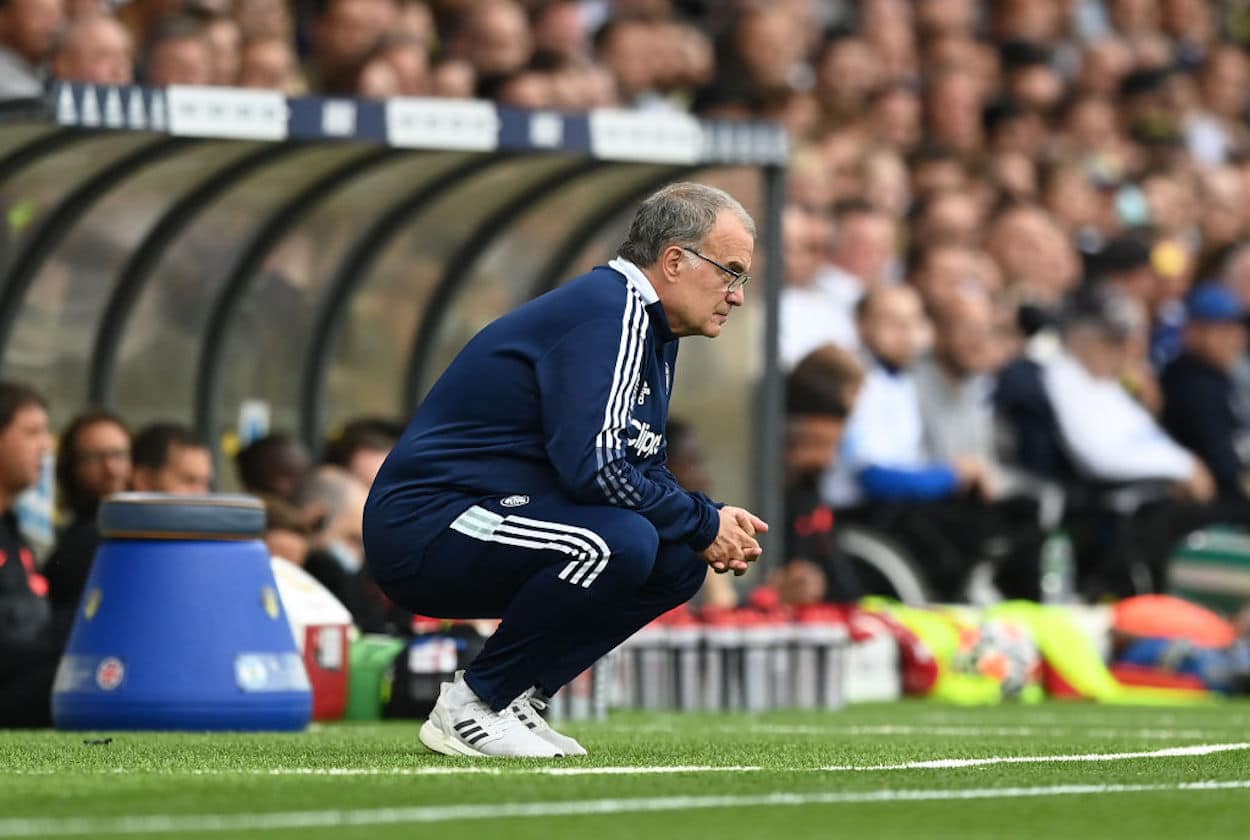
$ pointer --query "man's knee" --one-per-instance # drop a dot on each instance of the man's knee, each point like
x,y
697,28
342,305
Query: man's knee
x,y
632,553
680,572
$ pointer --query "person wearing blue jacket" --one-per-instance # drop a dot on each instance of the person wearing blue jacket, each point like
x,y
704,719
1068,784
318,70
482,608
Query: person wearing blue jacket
x,y
531,484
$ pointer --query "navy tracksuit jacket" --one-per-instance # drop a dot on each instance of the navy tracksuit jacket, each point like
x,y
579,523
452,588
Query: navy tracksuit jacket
x,y
568,393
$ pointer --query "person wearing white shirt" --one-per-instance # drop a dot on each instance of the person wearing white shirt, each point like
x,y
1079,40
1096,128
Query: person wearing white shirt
x,y
818,303
1111,439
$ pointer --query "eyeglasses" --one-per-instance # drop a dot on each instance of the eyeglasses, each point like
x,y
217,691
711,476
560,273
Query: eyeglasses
x,y
740,278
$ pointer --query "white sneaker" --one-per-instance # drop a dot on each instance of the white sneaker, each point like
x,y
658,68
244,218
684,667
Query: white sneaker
x,y
526,708
462,724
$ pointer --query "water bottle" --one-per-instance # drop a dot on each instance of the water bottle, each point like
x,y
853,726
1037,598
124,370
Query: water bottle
x,y
1058,569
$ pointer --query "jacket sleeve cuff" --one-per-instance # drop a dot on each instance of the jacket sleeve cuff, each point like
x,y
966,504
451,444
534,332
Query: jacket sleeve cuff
x,y
709,527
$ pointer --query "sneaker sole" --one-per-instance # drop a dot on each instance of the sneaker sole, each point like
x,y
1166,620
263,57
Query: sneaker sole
x,y
436,741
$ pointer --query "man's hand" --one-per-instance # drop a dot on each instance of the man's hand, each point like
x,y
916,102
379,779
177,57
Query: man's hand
x,y
735,545
1199,486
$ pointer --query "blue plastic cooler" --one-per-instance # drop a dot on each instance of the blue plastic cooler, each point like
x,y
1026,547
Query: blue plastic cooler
x,y
180,625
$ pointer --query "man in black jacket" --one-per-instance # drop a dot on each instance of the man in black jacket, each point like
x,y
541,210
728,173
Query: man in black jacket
x,y
1199,407
30,638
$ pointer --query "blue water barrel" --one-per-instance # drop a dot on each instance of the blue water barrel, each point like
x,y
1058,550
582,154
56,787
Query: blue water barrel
x,y
180,625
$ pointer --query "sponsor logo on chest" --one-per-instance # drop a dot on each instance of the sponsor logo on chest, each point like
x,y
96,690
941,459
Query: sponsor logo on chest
x,y
647,443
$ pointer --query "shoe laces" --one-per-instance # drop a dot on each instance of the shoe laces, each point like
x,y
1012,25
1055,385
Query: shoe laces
x,y
526,708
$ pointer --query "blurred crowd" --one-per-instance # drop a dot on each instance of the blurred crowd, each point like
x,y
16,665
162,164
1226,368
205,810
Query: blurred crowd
x,y
1026,223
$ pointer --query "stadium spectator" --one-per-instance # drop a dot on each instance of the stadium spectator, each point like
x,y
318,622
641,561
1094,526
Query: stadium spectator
x,y
344,34
820,393
1083,382
275,465
494,37
1200,411
865,249
885,477
815,305
269,63
178,53
225,41
334,502
28,29
625,48
561,29
955,383
31,635
1036,258
288,533
93,462
362,446
263,19
96,50
170,458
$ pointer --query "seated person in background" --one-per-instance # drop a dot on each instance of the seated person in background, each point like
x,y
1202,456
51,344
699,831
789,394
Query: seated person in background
x,y
275,465
334,501
1109,436
288,534
1199,409
1112,440
820,392
954,384
884,477
686,462
93,461
31,635
170,458
362,446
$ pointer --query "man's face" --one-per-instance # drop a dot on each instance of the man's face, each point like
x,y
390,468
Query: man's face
x,y
182,61
101,54
893,326
188,470
29,26
812,442
345,529
695,296
1221,343
23,445
102,459
965,336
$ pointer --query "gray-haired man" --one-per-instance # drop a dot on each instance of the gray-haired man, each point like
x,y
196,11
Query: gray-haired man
x,y
532,485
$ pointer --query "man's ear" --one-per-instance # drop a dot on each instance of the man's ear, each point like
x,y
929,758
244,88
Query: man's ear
x,y
671,261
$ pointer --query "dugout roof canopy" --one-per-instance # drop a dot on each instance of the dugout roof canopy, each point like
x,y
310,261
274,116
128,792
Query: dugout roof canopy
x,y
182,253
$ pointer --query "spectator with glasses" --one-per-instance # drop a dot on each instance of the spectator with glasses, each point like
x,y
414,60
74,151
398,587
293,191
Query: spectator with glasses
x,y
93,461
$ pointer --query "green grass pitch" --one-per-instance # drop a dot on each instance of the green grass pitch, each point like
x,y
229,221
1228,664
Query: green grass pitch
x,y
1055,770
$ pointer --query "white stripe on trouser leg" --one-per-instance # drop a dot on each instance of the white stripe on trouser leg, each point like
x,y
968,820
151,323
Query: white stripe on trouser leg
x,y
561,527
602,565
583,547
472,524
593,565
589,549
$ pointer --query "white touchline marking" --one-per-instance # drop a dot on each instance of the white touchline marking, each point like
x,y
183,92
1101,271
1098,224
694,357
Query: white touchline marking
x,y
437,770
975,731
945,763
255,822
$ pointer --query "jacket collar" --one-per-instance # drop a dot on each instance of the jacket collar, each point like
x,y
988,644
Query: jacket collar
x,y
640,284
